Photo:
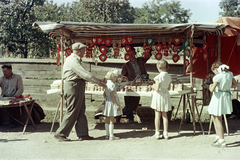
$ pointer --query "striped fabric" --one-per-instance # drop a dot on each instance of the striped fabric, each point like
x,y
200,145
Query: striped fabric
x,y
85,31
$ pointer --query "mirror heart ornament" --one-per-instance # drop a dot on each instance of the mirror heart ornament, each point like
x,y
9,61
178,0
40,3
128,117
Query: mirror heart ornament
x,y
94,40
103,49
205,56
177,40
186,62
99,40
175,58
103,57
124,40
128,48
108,41
205,46
129,39
158,56
127,56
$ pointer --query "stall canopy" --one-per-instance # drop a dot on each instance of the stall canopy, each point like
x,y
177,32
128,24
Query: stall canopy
x,y
229,49
84,31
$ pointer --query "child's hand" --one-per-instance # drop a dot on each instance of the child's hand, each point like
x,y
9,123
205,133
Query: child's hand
x,y
118,107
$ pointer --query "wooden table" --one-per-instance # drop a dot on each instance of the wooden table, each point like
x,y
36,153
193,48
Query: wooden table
x,y
23,103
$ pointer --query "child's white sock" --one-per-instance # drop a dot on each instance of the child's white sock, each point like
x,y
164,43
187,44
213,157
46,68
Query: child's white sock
x,y
157,133
107,129
111,126
165,133
221,140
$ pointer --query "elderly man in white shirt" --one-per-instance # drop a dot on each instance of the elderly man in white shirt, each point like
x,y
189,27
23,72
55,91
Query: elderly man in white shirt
x,y
74,93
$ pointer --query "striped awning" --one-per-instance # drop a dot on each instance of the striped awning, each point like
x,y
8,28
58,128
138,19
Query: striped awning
x,y
84,31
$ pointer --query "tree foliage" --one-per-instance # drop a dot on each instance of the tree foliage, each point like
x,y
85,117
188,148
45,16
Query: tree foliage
x,y
231,8
102,11
160,11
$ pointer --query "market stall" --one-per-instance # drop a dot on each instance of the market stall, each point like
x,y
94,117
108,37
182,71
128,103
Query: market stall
x,y
162,40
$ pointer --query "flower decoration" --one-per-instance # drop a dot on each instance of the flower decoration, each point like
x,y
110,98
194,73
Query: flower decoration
x,y
116,48
89,50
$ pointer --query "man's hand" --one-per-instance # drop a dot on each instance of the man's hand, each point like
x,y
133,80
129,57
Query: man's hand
x,y
102,84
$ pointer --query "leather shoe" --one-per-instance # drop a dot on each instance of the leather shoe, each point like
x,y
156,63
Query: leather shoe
x,y
61,138
86,137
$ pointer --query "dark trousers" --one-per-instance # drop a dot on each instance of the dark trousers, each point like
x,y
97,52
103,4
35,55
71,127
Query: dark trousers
x,y
74,94
131,104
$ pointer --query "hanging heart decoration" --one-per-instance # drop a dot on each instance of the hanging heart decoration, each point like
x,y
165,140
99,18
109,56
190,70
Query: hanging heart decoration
x,y
169,45
175,58
99,40
185,43
94,40
158,56
164,45
205,56
68,51
127,48
177,40
186,62
204,37
149,41
103,57
58,47
108,41
116,48
103,49
129,39
158,47
205,46
170,51
123,40
68,42
165,52
89,50
175,48
127,56
187,52
146,49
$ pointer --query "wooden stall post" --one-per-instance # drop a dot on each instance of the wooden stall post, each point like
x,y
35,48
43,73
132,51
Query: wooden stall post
x,y
62,85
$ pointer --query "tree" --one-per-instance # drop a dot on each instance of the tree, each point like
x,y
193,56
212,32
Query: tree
x,y
160,11
102,11
230,8
17,33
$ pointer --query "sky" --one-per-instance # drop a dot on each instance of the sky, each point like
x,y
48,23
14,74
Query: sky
x,y
202,10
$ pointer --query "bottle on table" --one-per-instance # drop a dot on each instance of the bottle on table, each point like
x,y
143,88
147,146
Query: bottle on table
x,y
188,116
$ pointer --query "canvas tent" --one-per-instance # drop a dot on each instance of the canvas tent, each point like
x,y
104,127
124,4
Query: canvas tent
x,y
225,48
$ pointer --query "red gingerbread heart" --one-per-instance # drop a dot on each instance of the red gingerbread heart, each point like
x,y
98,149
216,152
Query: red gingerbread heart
x,y
103,49
158,47
124,40
99,40
127,56
175,58
177,40
205,46
186,62
103,57
94,40
108,41
129,39
205,56
158,56
128,48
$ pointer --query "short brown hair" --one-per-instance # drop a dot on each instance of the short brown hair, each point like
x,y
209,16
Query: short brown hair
x,y
216,65
8,66
162,64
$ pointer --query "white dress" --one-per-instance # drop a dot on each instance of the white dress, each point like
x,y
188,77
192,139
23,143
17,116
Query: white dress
x,y
109,108
221,101
161,98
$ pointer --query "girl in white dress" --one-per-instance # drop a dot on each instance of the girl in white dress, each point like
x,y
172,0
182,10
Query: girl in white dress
x,y
112,107
161,99
221,102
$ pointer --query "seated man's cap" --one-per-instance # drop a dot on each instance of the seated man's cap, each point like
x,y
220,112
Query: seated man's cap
x,y
78,45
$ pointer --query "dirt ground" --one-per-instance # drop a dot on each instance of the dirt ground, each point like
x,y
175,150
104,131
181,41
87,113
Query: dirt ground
x,y
136,142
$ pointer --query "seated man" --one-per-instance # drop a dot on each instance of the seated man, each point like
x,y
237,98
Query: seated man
x,y
12,86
